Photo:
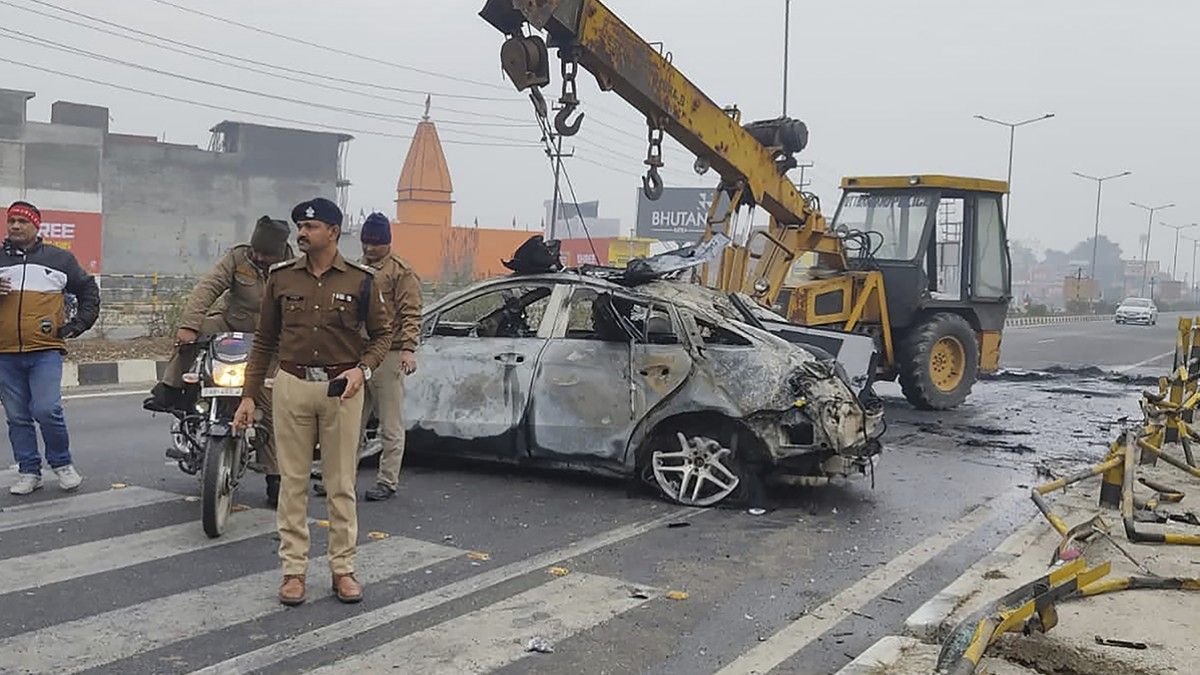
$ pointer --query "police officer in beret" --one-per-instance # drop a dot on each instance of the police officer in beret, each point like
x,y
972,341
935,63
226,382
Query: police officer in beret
x,y
314,311
227,299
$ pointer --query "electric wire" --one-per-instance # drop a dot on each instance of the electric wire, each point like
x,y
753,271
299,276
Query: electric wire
x,y
237,59
278,118
311,44
250,92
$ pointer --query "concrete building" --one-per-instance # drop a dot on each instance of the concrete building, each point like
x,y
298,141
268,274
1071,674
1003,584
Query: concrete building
x,y
129,204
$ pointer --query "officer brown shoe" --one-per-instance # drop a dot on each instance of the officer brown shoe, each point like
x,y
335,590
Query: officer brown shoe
x,y
291,591
347,588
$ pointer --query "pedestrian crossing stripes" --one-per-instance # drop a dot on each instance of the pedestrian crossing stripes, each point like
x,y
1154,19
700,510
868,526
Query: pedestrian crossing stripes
x,y
105,638
94,557
346,628
90,504
139,637
497,635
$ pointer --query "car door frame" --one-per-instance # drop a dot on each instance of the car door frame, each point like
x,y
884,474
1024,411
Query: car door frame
x,y
652,374
453,417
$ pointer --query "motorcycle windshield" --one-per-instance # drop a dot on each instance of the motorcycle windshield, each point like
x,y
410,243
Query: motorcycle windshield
x,y
232,347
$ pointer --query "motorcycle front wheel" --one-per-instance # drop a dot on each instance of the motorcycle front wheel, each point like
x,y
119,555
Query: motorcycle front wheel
x,y
216,485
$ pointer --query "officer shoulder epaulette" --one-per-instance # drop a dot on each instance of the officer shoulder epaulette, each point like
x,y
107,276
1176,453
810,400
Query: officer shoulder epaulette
x,y
364,267
401,262
285,263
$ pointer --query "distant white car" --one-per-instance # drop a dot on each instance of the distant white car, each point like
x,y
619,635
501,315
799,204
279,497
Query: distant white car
x,y
1137,310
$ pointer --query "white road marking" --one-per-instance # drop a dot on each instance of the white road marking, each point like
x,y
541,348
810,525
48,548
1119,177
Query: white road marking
x,y
298,644
101,639
72,562
103,394
1139,364
497,635
803,631
83,505
1042,342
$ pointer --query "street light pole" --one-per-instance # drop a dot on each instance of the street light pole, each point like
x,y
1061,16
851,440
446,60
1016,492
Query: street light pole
x,y
1175,257
1192,282
1012,137
1096,234
1149,227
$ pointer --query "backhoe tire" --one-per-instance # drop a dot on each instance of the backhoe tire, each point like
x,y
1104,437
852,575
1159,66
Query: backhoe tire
x,y
938,362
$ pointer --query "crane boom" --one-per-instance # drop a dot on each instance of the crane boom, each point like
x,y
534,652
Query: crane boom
x,y
752,161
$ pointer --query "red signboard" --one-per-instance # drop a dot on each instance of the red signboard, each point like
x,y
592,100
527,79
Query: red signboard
x,y
79,232
577,252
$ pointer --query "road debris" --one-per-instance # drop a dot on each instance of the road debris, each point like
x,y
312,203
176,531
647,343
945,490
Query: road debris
x,y
678,524
677,595
759,511
1111,642
539,645
376,535
119,486
639,594
479,556
559,571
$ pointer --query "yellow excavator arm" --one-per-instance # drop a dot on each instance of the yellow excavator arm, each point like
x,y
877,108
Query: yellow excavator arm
x,y
751,160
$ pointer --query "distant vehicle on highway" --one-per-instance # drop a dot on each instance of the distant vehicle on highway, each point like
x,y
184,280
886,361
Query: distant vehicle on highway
x,y
1137,310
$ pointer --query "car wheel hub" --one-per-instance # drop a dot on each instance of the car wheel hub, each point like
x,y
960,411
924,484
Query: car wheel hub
x,y
698,474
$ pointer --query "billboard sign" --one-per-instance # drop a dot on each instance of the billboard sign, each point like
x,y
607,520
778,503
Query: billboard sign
x,y
79,232
681,214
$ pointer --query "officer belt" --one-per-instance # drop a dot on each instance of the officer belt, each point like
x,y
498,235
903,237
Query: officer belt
x,y
315,373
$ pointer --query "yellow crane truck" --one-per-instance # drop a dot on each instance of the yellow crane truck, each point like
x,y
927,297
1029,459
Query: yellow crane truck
x,y
918,262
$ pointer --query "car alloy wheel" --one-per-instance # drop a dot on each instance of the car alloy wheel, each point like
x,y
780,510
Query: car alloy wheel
x,y
700,473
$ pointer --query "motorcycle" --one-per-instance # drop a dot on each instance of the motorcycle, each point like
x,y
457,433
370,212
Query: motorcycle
x,y
204,442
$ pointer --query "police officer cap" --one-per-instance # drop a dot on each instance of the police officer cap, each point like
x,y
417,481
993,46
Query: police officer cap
x,y
318,209
270,237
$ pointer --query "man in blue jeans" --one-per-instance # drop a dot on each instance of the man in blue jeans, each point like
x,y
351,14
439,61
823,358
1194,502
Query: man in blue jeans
x,y
33,327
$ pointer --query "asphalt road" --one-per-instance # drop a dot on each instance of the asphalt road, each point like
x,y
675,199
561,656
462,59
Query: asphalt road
x,y
1122,348
123,579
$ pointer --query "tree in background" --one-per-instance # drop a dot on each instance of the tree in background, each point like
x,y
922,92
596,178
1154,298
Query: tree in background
x,y
1109,269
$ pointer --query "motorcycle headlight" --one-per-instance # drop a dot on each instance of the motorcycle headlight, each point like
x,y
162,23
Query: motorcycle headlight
x,y
229,374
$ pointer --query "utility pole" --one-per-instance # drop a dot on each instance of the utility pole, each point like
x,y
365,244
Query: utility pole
x,y
1175,256
1146,249
787,35
1012,136
804,166
1096,234
557,157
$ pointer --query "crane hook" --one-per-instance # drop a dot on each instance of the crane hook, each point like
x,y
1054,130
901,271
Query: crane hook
x,y
560,120
652,184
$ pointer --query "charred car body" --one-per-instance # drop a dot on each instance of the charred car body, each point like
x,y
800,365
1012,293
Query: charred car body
x,y
666,381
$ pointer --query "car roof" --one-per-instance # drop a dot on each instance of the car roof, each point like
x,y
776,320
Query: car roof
x,y
701,300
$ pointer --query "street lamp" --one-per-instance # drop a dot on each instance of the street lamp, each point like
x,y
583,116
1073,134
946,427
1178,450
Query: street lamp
x,y
1149,226
1175,258
1012,135
1195,245
1096,235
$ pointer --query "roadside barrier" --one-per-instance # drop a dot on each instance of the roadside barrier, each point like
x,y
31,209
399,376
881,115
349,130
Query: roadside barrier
x,y
1167,417
1053,319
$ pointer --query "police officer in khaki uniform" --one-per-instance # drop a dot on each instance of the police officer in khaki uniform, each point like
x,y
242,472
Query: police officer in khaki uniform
x,y
314,310
401,290
227,299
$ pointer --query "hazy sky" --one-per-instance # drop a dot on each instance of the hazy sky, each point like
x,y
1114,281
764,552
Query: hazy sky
x,y
884,86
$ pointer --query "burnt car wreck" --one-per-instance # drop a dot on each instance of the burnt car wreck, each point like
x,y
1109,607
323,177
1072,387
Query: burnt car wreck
x,y
662,380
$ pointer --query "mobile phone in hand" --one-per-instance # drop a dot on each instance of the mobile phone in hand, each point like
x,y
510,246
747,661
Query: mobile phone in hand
x,y
337,387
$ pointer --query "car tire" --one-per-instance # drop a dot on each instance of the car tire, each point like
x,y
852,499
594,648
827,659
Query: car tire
x,y
938,362
749,490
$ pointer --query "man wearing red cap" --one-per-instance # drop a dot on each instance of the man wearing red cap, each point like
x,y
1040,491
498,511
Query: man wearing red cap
x,y
33,327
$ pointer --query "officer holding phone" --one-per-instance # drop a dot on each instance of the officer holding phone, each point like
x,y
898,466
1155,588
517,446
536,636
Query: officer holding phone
x,y
313,314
